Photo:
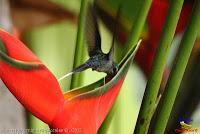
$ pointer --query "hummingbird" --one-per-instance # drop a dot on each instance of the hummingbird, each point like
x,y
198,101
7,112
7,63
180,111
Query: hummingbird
x,y
98,61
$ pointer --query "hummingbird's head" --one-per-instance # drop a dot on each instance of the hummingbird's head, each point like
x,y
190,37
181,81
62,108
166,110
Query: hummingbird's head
x,y
113,70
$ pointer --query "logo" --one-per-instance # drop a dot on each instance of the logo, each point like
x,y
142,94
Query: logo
x,y
185,126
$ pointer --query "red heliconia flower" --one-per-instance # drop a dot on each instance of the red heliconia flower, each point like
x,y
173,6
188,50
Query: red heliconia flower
x,y
77,111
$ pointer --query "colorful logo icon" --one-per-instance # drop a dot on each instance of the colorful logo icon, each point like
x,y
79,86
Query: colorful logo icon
x,y
185,126
185,123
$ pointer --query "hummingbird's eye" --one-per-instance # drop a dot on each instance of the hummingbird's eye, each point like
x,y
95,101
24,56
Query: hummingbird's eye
x,y
115,69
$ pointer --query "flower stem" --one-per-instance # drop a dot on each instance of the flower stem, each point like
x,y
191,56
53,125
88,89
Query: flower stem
x,y
153,84
137,28
178,70
78,57
133,38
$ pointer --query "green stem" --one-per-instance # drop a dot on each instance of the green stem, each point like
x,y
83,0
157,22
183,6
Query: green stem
x,y
153,84
137,28
78,56
107,122
134,36
178,69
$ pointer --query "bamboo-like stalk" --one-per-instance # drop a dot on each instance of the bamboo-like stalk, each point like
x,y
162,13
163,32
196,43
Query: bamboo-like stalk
x,y
134,36
178,69
137,28
78,55
107,122
153,84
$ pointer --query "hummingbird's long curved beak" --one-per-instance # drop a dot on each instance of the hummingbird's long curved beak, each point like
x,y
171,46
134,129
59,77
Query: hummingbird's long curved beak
x,y
66,75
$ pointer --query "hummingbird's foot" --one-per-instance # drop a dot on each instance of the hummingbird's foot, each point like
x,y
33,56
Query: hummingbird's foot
x,y
104,80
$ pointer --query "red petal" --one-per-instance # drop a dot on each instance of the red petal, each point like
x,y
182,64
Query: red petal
x,y
185,13
145,56
37,89
86,114
158,12
156,16
156,19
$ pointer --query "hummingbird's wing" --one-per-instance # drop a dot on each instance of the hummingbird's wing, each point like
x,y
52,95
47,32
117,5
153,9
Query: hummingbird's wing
x,y
93,38
111,52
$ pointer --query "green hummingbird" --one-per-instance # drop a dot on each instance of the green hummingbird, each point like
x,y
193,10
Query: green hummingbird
x,y
98,61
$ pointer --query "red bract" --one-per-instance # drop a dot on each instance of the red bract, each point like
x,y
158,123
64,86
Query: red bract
x,y
157,15
37,89
81,110
86,112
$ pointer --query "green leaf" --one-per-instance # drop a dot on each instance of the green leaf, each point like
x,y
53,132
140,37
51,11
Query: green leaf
x,y
78,57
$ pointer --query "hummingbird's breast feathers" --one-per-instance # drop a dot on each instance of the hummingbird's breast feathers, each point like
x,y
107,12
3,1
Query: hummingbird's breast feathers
x,y
101,63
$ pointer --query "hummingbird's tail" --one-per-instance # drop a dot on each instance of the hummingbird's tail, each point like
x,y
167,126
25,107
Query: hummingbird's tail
x,y
75,70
